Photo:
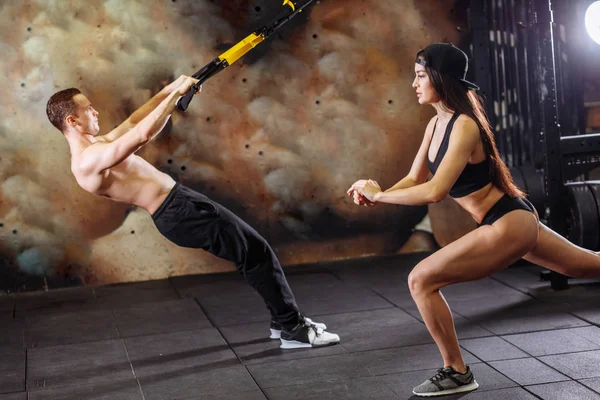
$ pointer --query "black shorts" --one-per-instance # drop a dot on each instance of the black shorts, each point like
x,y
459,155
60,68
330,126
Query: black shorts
x,y
505,205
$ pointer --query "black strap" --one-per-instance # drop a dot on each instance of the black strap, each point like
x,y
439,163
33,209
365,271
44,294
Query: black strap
x,y
446,139
431,140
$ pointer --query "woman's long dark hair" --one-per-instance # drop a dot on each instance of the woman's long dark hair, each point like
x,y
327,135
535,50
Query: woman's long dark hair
x,y
455,96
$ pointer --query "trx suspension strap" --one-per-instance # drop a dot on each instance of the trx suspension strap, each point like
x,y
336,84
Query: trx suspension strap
x,y
237,51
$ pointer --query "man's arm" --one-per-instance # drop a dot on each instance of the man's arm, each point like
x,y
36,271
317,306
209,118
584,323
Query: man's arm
x,y
144,110
102,156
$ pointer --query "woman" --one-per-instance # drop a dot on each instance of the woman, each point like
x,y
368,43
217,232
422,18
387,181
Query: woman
x,y
459,150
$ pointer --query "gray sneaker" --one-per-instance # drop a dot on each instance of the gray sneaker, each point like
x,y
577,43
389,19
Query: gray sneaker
x,y
447,381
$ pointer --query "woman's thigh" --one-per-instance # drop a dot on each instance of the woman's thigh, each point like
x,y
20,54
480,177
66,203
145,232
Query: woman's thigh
x,y
479,253
558,254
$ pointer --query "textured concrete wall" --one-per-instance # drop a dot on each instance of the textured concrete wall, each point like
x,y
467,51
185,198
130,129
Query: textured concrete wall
x,y
278,138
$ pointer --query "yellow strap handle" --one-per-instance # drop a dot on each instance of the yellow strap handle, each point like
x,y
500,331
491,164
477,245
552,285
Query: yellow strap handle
x,y
289,3
244,46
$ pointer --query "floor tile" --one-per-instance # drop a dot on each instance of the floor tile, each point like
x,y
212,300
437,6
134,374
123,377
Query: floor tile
x,y
563,390
57,301
195,351
308,371
118,390
67,328
125,294
403,383
14,396
592,383
492,349
12,369
356,389
160,317
590,314
377,329
490,379
523,278
188,382
467,329
7,305
554,342
255,394
528,371
485,289
582,293
517,314
11,334
576,365
591,333
12,380
211,285
400,298
341,298
235,309
502,394
77,364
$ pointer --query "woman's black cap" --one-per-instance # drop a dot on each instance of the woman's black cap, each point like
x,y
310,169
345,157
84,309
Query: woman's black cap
x,y
446,59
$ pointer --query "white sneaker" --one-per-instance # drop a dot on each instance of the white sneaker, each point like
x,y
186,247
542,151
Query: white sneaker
x,y
307,336
276,327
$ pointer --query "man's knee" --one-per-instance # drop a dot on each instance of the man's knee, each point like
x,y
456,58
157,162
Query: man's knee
x,y
244,245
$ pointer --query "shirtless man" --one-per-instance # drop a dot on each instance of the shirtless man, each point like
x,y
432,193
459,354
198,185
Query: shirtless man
x,y
107,166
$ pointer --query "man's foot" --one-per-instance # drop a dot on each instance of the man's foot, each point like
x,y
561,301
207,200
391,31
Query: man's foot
x,y
447,381
276,327
305,335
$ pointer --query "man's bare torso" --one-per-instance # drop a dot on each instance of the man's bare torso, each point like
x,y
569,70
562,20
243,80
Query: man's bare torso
x,y
133,181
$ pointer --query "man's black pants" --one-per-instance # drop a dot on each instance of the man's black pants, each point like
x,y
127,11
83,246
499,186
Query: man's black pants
x,y
190,219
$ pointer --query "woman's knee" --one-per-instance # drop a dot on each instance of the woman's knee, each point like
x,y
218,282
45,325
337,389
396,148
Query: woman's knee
x,y
420,280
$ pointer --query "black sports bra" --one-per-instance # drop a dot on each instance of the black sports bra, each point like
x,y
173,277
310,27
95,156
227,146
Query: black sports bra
x,y
472,178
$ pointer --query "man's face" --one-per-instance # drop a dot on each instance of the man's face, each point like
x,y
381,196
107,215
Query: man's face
x,y
86,117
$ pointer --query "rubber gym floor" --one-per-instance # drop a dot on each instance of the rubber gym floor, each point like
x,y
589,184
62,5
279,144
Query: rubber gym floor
x,y
206,337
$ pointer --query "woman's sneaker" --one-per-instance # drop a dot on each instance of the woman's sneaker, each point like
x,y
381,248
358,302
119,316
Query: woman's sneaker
x,y
447,381
305,335
276,327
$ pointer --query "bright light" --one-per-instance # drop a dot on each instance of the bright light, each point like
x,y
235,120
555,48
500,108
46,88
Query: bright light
x,y
592,21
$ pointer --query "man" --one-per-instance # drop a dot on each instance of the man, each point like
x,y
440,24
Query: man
x,y
107,166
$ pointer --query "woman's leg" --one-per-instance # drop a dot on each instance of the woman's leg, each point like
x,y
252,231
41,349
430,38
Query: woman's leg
x,y
558,254
474,256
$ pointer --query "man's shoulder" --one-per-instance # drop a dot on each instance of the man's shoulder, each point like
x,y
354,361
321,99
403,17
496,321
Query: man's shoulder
x,y
82,160
88,180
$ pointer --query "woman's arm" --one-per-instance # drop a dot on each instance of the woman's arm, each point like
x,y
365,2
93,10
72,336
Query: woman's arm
x,y
463,141
419,171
